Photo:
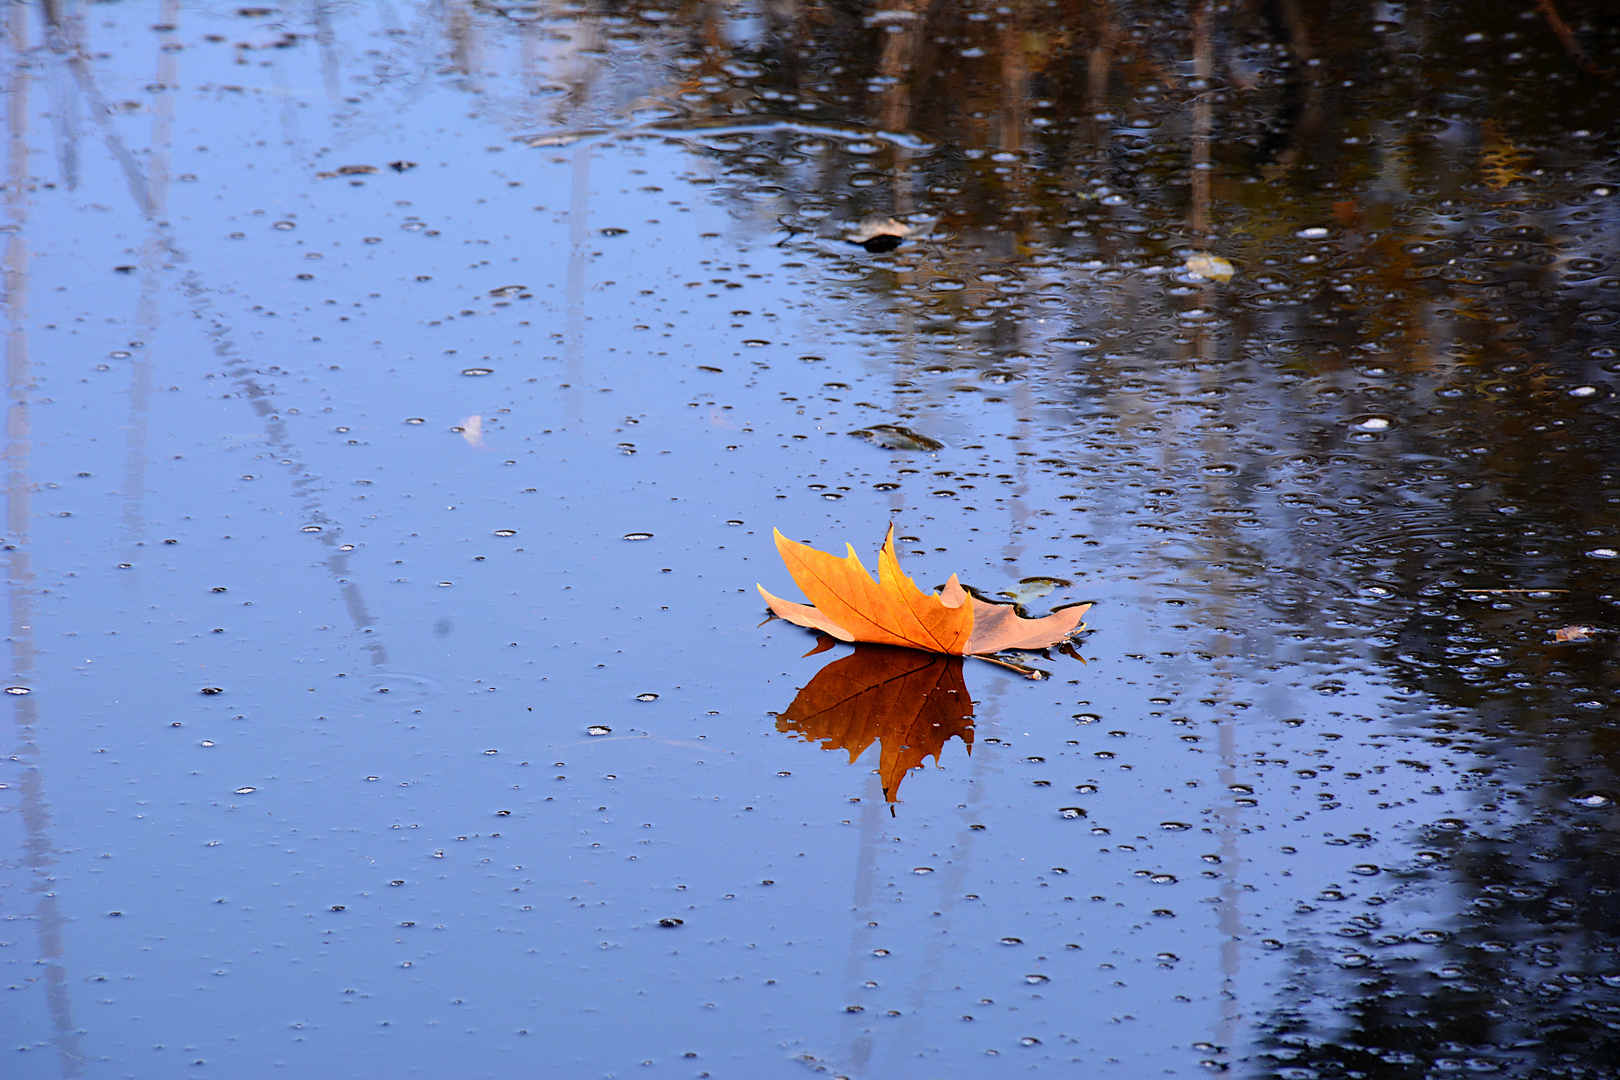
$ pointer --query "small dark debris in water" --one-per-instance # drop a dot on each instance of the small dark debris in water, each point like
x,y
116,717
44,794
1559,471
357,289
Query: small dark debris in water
x,y
706,367
402,166
123,269
213,690
879,234
338,907
257,12
671,922
895,437
355,170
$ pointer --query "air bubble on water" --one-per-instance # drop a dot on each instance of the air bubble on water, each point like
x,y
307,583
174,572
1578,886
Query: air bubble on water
x,y
246,790
1603,553
638,536
1583,391
1353,960
1373,423
1315,232
1596,800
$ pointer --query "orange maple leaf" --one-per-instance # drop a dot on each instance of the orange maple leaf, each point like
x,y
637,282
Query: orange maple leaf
x,y
850,606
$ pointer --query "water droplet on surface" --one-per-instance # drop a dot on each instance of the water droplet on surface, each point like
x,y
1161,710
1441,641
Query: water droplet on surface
x,y
922,869
1353,960
246,790
1070,812
1036,980
1364,869
284,225
1583,391
1595,800
1603,553
638,536
212,690
1163,879
598,729
646,697
18,690
478,371
505,532
1373,423
1012,941
1029,1040
1172,826
671,922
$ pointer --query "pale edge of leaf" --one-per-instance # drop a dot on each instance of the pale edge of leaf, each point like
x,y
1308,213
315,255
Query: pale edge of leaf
x,y
804,615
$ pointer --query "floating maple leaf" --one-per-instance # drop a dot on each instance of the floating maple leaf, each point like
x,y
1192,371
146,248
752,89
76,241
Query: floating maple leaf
x,y
850,606
909,703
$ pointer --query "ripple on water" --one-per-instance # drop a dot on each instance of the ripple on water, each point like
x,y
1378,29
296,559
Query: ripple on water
x,y
394,688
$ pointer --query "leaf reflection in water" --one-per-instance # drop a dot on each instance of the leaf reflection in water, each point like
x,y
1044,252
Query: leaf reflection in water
x,y
911,703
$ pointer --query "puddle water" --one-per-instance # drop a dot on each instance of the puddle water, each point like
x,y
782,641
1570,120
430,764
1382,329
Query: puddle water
x,y
402,399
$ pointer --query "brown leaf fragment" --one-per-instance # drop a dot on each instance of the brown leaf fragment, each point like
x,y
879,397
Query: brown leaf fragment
x,y
999,626
850,606
911,704
1574,633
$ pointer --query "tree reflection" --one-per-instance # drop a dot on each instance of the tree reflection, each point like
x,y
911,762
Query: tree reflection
x,y
1391,435
910,703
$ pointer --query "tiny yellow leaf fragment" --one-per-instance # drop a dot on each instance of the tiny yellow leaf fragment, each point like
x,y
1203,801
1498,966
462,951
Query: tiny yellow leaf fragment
x,y
1212,267
850,606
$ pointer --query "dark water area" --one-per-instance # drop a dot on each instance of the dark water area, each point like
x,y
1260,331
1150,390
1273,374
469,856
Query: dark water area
x,y
402,396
